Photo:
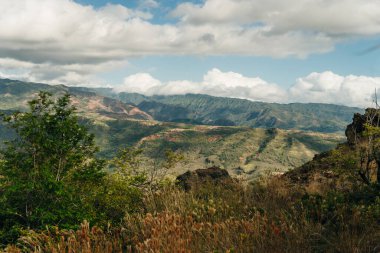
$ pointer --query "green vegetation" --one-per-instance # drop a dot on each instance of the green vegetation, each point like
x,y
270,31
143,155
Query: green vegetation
x,y
49,174
210,110
102,103
58,195
271,217
356,161
238,149
14,96
233,148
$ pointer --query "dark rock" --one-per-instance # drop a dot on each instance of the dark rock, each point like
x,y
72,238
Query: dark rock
x,y
214,175
349,163
355,128
354,131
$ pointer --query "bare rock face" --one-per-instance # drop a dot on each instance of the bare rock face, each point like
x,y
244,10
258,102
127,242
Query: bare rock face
x,y
214,175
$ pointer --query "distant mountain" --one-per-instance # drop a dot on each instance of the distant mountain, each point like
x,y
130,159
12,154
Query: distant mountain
x,y
242,150
190,108
209,110
14,95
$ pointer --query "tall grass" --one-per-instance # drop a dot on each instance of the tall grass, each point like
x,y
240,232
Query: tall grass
x,y
274,217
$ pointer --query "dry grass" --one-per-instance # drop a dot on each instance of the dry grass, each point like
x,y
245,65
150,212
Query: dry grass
x,y
85,239
216,219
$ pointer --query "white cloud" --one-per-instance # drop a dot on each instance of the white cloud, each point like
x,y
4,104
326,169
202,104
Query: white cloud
x,y
236,85
148,4
325,87
215,82
75,41
328,87
332,17
142,83
62,31
72,74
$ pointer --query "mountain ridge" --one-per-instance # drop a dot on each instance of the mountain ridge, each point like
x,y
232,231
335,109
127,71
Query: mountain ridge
x,y
211,110
197,108
243,150
14,95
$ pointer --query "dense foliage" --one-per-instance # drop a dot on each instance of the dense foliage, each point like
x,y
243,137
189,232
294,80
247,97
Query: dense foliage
x,y
49,174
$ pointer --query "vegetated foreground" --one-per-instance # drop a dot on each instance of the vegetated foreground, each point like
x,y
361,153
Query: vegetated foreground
x,y
227,218
48,190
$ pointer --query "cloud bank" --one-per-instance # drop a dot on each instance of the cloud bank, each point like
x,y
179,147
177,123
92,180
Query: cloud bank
x,y
325,87
40,35
328,87
62,41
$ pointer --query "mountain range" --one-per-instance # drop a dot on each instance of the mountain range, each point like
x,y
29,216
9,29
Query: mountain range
x,y
247,138
209,110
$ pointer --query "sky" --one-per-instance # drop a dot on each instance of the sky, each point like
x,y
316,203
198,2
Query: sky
x,y
325,51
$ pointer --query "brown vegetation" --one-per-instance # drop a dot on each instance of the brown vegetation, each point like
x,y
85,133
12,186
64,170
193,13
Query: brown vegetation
x,y
212,218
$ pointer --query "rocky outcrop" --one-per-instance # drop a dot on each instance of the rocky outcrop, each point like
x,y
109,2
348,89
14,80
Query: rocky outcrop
x,y
354,131
356,160
355,128
213,175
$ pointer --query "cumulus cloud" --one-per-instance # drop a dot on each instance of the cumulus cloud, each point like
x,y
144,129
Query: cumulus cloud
x,y
328,87
329,17
142,83
325,87
215,82
54,34
66,32
72,74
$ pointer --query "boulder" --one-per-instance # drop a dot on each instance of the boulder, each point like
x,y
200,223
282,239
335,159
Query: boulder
x,y
213,175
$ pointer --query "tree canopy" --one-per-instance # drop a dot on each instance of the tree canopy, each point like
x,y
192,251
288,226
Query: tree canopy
x,y
43,169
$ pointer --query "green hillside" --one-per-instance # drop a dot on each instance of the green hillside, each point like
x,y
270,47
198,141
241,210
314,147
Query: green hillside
x,y
243,150
53,169
211,110
14,95
191,108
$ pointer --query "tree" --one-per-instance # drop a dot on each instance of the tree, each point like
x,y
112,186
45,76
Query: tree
x,y
130,167
46,165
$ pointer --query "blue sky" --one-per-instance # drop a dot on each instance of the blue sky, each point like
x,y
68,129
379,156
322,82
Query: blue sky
x,y
266,50
348,57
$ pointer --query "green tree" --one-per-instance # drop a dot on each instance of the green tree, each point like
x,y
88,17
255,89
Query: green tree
x,y
129,180
45,169
123,187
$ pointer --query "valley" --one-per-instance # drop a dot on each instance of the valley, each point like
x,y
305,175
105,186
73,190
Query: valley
x,y
250,150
